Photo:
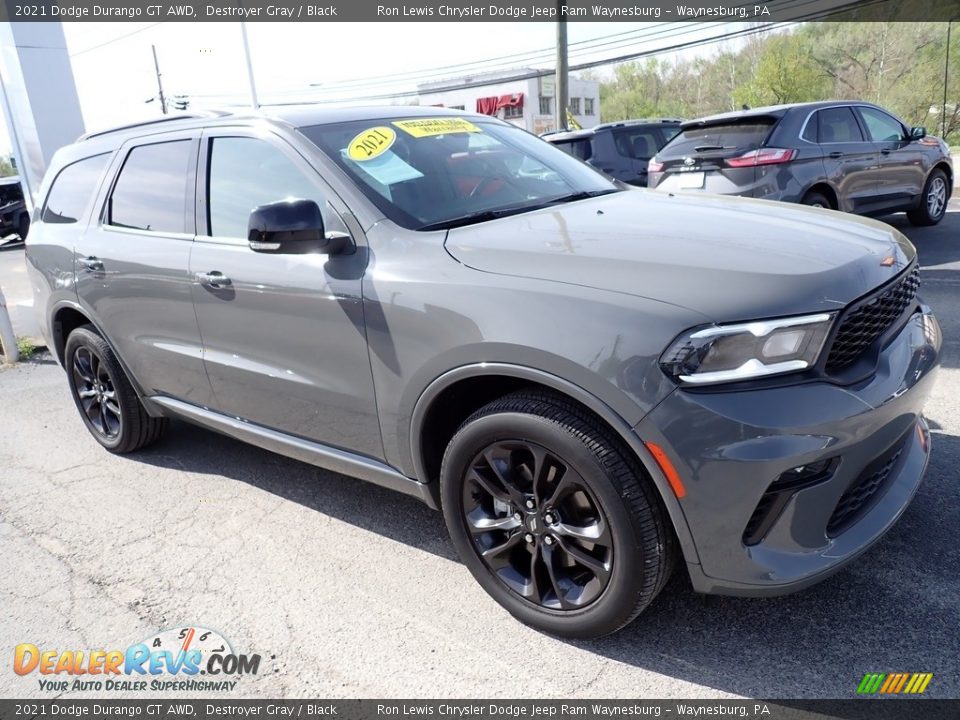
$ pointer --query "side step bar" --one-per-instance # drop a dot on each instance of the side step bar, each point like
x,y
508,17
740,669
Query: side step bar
x,y
329,458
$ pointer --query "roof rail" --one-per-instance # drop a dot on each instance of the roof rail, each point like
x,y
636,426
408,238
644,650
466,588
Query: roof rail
x,y
166,118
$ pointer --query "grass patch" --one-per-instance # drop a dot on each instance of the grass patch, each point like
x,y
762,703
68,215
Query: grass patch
x,y
26,348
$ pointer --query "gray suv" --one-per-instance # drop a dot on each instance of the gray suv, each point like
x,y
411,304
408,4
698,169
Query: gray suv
x,y
597,385
849,156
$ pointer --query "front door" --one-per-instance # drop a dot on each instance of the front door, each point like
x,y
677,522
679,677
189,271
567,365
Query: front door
x,y
849,159
901,175
133,267
283,335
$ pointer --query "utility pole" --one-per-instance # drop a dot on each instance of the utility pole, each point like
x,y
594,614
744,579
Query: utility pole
x,y
246,52
156,65
562,88
946,75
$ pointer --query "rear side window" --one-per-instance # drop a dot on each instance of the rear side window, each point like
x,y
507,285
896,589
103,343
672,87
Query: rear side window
x,y
838,125
638,144
582,149
73,189
151,192
880,126
745,134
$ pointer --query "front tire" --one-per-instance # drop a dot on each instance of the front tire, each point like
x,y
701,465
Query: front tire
x,y
554,516
933,202
106,400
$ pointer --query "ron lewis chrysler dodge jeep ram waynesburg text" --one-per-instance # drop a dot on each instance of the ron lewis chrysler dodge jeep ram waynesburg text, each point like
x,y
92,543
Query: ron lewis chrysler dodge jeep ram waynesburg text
x,y
597,385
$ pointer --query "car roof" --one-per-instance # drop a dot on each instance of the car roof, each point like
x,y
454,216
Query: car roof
x,y
294,115
769,111
565,135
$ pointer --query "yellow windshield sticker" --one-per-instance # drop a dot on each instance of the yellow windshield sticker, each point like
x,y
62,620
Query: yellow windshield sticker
x,y
371,143
428,127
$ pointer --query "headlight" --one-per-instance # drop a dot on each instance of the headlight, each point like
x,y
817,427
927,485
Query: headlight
x,y
729,353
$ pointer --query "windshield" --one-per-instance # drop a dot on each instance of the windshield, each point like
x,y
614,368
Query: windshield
x,y
430,173
748,133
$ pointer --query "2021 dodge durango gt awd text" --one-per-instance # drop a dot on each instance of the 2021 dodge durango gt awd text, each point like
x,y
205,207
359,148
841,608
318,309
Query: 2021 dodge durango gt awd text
x,y
596,385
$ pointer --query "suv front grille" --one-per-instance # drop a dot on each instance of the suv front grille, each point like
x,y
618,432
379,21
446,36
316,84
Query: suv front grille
x,y
856,500
867,320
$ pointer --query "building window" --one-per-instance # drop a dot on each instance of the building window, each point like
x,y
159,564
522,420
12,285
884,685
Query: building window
x,y
575,105
545,106
513,111
588,106
457,107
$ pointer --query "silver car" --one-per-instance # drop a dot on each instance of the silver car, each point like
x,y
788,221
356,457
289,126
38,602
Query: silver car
x,y
598,385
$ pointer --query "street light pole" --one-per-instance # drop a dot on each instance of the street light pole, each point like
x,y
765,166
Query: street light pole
x,y
246,51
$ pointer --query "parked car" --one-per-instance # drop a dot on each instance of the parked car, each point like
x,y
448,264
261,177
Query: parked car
x,y
14,217
622,149
850,156
596,384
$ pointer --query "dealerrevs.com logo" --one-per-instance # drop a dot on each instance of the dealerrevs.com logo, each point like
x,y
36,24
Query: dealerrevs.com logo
x,y
193,659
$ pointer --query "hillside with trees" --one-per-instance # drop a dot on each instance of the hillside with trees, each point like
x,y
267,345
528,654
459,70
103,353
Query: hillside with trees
x,y
897,65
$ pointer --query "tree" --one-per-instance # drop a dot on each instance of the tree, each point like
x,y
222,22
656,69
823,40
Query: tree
x,y
787,72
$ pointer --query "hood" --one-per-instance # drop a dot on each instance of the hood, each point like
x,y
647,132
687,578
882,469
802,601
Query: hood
x,y
727,258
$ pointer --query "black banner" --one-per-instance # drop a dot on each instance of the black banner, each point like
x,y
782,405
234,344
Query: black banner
x,y
480,10
201,709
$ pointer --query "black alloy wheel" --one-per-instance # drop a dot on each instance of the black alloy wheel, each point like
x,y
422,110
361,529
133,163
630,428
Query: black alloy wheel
x,y
95,392
554,515
106,400
537,526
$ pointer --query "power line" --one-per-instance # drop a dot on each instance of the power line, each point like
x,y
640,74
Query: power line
x,y
116,39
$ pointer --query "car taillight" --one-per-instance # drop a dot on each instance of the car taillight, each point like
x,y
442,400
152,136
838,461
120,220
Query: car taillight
x,y
654,165
763,156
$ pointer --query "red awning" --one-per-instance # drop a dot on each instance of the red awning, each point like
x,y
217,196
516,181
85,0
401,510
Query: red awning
x,y
514,100
487,105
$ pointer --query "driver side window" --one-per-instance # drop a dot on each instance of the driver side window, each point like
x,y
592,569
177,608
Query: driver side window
x,y
245,173
880,126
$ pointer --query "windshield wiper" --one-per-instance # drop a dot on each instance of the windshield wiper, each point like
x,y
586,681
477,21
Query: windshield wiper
x,y
705,148
493,214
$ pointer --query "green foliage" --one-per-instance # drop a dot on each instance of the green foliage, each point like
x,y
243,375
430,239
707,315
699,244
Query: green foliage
x,y
6,168
25,348
895,64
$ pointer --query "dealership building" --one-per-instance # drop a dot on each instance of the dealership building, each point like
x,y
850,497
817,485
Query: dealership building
x,y
529,102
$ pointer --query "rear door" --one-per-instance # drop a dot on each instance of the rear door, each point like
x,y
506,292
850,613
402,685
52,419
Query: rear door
x,y
901,173
635,146
132,266
850,160
283,335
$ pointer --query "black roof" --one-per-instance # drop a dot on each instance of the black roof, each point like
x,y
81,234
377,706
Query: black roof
x,y
769,111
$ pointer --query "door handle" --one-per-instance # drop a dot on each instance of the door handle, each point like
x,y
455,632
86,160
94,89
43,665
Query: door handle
x,y
836,154
91,263
214,279
885,151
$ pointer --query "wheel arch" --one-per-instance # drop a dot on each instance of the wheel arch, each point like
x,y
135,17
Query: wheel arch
x,y
456,394
66,318
948,171
825,189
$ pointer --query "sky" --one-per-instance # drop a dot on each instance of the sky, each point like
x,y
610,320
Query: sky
x,y
114,71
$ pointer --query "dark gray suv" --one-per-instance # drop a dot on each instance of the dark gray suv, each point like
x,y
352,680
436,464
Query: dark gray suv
x,y
849,156
598,386
620,149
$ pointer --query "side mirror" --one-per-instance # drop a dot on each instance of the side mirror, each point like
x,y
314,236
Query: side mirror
x,y
292,227
918,133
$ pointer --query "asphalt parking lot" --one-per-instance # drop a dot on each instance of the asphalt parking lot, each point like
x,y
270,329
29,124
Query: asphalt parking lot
x,y
349,590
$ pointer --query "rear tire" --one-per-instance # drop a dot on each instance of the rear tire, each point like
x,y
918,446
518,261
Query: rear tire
x,y
105,399
815,199
933,202
592,546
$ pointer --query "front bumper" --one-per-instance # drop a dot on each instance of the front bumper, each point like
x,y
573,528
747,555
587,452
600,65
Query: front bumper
x,y
730,447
